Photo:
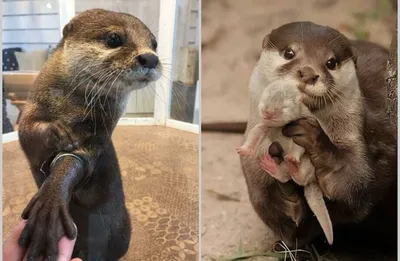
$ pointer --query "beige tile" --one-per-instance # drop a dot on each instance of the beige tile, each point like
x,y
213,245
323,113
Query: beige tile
x,y
159,170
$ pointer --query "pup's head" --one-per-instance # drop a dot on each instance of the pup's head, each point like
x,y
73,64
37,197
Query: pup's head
x,y
110,49
280,103
319,59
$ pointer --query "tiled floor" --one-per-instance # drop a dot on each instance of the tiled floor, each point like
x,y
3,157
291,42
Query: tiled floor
x,y
160,173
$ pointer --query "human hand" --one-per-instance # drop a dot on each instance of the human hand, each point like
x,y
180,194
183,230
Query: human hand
x,y
12,251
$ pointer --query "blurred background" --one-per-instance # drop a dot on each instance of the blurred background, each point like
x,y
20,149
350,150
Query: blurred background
x,y
232,33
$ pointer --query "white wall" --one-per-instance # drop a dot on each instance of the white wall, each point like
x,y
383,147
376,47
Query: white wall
x,y
146,10
31,25
186,31
188,11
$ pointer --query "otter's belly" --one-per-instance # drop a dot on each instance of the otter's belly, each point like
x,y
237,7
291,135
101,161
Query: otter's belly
x,y
100,213
103,232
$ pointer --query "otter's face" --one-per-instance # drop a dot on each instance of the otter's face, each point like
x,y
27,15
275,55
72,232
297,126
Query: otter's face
x,y
317,59
111,50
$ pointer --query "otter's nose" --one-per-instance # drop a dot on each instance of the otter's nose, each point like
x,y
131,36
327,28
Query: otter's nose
x,y
148,60
307,75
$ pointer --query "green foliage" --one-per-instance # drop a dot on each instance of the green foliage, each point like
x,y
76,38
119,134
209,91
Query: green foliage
x,y
382,10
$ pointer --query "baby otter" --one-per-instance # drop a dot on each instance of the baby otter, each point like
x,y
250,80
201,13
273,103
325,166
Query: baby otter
x,y
281,104
73,108
350,143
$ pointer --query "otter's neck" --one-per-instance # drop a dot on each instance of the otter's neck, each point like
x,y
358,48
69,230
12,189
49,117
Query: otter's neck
x,y
81,100
342,121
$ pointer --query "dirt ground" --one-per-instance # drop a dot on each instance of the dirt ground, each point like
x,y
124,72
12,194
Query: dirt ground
x,y
232,32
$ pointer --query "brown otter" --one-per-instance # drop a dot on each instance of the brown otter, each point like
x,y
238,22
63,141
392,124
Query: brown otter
x,y
350,144
74,107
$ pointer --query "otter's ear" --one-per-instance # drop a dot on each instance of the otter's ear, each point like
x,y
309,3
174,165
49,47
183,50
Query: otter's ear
x,y
354,55
266,42
68,29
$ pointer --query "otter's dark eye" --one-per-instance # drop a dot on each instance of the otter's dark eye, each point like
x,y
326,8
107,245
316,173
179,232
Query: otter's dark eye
x,y
154,44
288,54
114,41
331,64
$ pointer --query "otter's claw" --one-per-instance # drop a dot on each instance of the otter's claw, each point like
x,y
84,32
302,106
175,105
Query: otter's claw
x,y
57,136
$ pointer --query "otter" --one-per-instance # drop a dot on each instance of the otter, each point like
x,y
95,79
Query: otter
x,y
350,142
65,133
280,104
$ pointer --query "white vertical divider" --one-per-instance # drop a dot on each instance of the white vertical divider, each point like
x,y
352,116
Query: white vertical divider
x,y
166,42
1,149
66,11
196,117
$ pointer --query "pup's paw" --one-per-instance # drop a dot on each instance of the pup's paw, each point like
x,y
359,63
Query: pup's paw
x,y
245,151
293,164
268,164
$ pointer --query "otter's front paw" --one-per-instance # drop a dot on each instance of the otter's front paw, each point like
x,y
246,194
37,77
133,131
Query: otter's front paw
x,y
326,184
307,133
58,136
48,220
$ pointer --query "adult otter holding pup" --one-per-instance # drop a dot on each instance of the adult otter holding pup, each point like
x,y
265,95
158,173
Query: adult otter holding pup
x,y
73,107
349,141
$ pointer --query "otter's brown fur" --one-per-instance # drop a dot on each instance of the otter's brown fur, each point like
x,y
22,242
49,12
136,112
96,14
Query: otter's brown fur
x,y
74,106
351,146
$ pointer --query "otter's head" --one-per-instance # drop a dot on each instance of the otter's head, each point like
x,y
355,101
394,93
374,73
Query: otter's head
x,y
318,60
111,50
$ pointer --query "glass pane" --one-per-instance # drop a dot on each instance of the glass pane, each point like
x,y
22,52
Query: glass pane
x,y
185,69
31,30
